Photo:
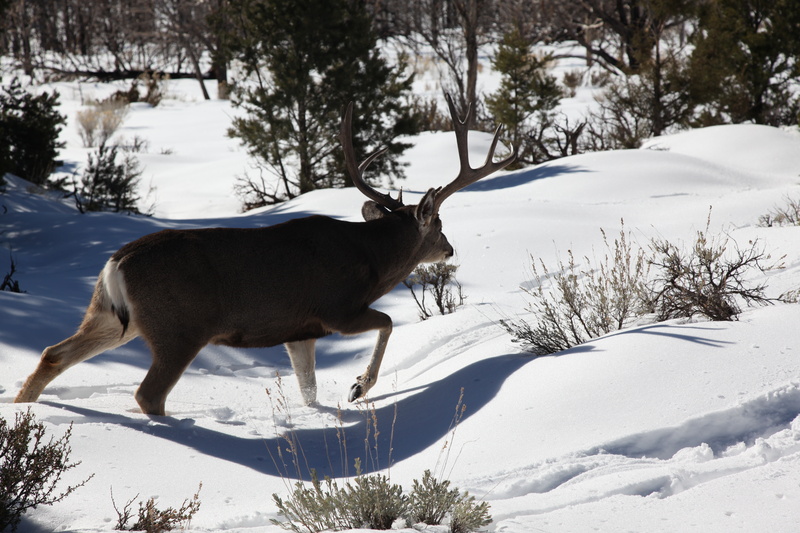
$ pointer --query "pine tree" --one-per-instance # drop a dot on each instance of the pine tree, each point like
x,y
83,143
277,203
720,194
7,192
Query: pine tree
x,y
309,58
525,89
745,60
108,185
29,128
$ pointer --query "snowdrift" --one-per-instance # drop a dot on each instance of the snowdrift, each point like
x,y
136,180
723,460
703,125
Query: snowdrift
x,y
664,427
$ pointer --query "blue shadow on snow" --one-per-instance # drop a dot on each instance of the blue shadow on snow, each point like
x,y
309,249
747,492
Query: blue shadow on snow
x,y
420,421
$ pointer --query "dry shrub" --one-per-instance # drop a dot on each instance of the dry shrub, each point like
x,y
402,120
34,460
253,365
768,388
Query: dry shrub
x,y
154,520
439,281
576,304
785,215
31,468
712,279
98,122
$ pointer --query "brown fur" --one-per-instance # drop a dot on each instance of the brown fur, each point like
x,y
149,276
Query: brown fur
x,y
290,283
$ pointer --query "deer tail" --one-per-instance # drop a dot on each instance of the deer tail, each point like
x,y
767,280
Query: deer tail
x,y
115,293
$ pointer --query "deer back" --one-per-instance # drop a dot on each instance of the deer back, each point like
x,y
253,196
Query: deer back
x,y
266,286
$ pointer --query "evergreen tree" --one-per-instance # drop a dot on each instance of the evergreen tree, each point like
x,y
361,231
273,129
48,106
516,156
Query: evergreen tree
x,y
108,185
525,88
29,128
745,60
309,58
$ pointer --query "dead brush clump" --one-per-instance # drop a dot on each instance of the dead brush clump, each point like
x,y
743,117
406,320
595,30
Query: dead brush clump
x,y
710,279
154,520
98,122
437,280
787,214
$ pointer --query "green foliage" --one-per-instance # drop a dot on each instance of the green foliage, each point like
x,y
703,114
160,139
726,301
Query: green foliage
x,y
369,501
311,508
29,129
310,59
154,520
431,500
366,500
745,61
108,185
372,501
468,515
524,90
30,468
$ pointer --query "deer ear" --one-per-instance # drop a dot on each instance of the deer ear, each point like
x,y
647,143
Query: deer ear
x,y
426,209
372,211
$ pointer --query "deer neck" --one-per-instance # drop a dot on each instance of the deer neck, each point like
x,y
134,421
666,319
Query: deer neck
x,y
396,250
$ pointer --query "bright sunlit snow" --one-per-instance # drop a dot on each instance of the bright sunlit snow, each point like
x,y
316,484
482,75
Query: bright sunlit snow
x,y
679,426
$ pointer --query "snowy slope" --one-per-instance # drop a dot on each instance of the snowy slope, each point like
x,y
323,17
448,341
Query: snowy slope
x,y
663,427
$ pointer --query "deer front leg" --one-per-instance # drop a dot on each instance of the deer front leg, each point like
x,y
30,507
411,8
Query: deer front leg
x,y
366,381
368,320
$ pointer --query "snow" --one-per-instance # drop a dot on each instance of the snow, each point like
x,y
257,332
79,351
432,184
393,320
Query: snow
x,y
678,426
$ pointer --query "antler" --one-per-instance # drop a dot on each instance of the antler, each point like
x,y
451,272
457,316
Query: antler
x,y
356,171
468,175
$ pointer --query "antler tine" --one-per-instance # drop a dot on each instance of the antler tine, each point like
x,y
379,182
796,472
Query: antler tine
x,y
468,175
461,130
356,171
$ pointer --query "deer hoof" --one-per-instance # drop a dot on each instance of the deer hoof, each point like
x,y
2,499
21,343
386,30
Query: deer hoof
x,y
356,392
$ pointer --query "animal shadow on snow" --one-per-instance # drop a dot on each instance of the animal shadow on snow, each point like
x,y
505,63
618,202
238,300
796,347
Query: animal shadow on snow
x,y
405,428
421,420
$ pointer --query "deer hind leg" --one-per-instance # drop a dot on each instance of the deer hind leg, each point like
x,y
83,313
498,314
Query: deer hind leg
x,y
172,355
367,321
303,358
99,332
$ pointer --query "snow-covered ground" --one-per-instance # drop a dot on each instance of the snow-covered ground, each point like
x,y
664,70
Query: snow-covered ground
x,y
665,427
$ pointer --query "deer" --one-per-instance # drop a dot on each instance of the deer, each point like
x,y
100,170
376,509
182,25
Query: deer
x,y
290,283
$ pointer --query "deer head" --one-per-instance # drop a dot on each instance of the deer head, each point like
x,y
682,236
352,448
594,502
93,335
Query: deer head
x,y
427,211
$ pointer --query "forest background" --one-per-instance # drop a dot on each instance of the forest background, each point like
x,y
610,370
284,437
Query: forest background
x,y
663,66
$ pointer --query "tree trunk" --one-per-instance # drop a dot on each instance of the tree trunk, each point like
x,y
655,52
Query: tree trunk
x,y
468,12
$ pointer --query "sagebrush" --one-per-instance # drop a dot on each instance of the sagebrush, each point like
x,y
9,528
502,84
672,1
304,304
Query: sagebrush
x,y
98,122
581,302
367,500
31,468
712,278
372,501
787,214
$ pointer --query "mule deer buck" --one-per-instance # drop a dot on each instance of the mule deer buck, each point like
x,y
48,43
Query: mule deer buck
x,y
291,283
